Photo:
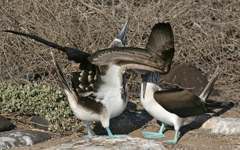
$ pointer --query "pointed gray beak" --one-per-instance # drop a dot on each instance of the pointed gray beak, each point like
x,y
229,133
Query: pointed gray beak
x,y
121,38
122,34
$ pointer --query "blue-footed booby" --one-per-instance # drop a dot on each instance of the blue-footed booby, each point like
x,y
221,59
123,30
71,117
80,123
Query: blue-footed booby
x,y
168,105
98,91
173,104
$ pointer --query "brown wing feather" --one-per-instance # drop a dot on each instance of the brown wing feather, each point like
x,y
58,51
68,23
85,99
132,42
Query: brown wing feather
x,y
161,43
181,102
127,56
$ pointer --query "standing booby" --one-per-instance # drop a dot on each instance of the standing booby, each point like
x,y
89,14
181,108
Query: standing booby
x,y
168,105
172,105
98,91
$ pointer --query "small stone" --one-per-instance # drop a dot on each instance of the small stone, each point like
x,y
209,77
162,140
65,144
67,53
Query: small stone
x,y
225,126
39,122
11,139
5,124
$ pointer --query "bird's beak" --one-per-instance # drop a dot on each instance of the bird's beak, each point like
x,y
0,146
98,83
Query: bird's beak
x,y
121,38
122,34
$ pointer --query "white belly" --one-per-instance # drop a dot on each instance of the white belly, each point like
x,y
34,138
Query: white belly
x,y
110,91
156,110
113,100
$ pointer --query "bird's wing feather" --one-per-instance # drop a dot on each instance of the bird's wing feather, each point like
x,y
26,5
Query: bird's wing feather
x,y
161,43
126,56
181,102
84,98
73,54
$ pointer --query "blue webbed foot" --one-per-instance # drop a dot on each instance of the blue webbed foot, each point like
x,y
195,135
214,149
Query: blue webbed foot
x,y
110,135
152,135
155,135
175,140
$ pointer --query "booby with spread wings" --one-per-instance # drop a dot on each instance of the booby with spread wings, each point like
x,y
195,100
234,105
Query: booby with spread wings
x,y
98,91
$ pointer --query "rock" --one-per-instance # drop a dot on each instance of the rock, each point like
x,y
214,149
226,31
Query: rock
x,y
225,126
11,139
105,143
127,122
187,76
39,122
5,124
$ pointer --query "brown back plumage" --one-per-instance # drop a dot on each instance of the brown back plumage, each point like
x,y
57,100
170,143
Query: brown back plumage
x,y
181,102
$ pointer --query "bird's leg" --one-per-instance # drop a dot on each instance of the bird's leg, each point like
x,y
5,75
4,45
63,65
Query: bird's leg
x,y
89,130
110,135
143,90
155,135
109,132
105,123
175,139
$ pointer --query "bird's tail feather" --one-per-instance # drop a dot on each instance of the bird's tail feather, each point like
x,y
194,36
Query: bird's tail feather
x,y
209,87
61,79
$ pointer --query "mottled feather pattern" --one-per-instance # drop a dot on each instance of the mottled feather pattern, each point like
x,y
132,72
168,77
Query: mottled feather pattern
x,y
85,80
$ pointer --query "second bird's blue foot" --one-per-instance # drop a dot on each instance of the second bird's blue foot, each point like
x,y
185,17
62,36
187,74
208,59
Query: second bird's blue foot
x,y
175,139
152,135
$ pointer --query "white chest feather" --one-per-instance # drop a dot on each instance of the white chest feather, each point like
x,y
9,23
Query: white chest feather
x,y
111,91
153,108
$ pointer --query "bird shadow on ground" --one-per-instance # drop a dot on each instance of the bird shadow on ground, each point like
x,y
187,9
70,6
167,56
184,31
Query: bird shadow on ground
x,y
130,120
217,108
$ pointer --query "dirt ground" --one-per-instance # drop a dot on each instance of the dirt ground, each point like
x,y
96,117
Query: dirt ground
x,y
201,139
194,139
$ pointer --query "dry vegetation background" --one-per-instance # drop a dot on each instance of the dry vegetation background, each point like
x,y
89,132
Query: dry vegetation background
x,y
207,32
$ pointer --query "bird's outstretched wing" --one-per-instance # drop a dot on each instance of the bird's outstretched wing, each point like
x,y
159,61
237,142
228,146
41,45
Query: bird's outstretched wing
x,y
130,57
73,54
161,44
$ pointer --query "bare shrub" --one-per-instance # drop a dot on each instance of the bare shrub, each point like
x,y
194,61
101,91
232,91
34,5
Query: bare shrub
x,y
207,33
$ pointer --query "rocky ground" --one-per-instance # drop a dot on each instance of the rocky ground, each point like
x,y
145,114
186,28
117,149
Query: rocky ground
x,y
205,137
